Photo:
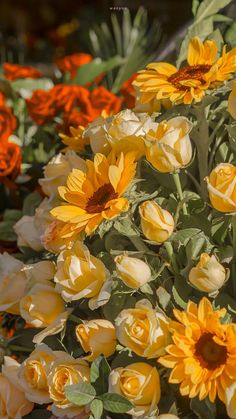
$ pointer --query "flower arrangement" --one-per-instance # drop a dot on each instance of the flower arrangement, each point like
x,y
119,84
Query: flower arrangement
x,y
118,234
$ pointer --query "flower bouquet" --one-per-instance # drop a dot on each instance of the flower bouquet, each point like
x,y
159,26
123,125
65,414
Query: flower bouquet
x,y
118,229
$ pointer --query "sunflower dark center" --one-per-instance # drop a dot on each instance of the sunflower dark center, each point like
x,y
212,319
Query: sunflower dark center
x,y
210,354
99,199
195,72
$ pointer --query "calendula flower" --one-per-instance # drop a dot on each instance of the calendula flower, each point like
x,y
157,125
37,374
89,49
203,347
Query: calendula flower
x,y
97,194
75,141
202,356
189,83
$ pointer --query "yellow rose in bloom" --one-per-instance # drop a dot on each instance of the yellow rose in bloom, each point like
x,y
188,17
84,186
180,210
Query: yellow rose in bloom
x,y
57,171
133,272
168,146
140,384
41,305
66,371
232,101
221,186
33,373
97,337
167,416
27,233
208,275
143,330
157,224
12,283
13,403
81,275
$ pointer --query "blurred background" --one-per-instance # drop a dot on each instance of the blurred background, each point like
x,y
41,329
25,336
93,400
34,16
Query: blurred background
x,y
42,31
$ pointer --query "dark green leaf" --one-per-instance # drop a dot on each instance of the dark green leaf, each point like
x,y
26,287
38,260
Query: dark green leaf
x,y
99,373
80,394
115,403
203,408
31,202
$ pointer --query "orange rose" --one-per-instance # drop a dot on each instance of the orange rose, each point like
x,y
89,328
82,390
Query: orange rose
x,y
16,71
41,106
74,119
128,92
68,97
10,161
71,63
2,99
102,99
7,123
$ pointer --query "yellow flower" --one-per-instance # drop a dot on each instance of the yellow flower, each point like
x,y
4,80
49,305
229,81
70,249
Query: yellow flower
x,y
168,147
13,402
33,373
133,272
143,330
208,275
157,224
202,356
81,275
189,83
58,236
140,384
97,337
221,186
57,171
231,400
167,416
96,195
232,101
33,308
76,141
64,371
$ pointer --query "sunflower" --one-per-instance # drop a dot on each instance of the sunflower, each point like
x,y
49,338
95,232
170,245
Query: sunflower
x,y
203,71
203,353
96,194
75,141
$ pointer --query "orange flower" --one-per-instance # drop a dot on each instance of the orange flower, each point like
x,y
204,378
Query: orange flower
x,y
71,63
128,92
16,71
69,97
103,100
41,106
2,99
10,162
7,123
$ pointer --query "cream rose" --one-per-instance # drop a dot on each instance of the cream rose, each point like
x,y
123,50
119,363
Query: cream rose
x,y
27,233
157,224
57,171
12,283
13,403
208,275
33,374
81,275
168,147
65,371
97,337
133,272
143,330
140,384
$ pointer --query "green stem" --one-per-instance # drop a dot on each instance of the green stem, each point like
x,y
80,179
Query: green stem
x,y
170,252
21,119
179,190
138,244
18,348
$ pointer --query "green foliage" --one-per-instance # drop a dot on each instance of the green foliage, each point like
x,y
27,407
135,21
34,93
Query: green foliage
x,y
10,218
80,394
96,408
99,373
88,72
115,403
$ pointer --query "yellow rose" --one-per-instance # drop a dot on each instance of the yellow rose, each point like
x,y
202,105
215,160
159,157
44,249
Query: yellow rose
x,y
208,275
143,330
167,416
133,272
13,403
97,337
12,283
41,306
140,384
157,224
221,186
232,101
65,371
81,275
33,373
57,171
169,148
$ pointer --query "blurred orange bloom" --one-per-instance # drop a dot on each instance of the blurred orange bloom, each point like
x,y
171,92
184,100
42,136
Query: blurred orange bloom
x,y
10,162
128,92
7,123
16,71
41,107
71,63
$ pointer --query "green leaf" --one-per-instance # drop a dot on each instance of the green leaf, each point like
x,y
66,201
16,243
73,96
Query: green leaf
x,y
230,35
195,6
210,7
125,227
32,84
184,235
6,231
99,373
96,408
31,202
80,394
115,403
203,408
12,215
88,72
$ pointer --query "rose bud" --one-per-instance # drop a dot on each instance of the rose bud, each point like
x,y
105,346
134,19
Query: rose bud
x,y
221,186
208,275
133,272
157,224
